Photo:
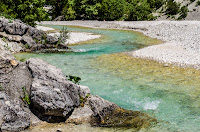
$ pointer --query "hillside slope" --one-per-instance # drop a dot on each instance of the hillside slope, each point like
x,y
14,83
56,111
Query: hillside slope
x,y
192,13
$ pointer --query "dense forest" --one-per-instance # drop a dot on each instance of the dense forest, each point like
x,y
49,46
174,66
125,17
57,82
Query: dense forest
x,y
135,10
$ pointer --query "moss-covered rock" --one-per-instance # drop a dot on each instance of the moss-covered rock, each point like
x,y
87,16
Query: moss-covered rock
x,y
127,118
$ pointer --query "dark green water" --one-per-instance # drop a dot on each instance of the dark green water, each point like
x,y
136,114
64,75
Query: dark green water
x,y
173,108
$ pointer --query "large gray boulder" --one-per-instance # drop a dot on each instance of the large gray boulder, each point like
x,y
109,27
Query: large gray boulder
x,y
15,28
51,39
41,35
35,33
101,107
3,23
27,40
51,94
12,115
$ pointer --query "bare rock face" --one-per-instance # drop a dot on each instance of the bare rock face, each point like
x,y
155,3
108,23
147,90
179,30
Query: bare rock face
x,y
28,40
39,35
12,115
51,39
84,91
32,38
81,115
3,23
15,28
51,94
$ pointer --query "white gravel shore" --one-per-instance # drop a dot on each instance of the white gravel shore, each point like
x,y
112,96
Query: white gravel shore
x,y
74,37
182,39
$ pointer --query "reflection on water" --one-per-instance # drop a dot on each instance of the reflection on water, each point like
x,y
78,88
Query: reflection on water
x,y
169,93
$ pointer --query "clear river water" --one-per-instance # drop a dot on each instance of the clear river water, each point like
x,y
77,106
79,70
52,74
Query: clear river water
x,y
166,92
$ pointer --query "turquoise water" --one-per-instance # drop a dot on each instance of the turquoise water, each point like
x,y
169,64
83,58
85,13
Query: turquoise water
x,y
173,108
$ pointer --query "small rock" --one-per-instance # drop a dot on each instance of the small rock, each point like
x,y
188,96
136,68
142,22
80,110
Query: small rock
x,y
59,130
14,63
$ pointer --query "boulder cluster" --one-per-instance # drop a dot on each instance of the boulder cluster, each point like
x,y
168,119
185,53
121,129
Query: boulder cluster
x,y
29,38
34,91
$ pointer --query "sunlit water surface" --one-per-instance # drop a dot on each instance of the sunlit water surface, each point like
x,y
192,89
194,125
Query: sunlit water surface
x,y
169,95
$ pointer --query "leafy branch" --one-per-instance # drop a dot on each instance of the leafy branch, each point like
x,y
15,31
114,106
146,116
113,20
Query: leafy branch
x,y
74,79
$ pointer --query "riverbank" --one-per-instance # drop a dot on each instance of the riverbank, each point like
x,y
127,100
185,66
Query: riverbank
x,y
181,39
74,37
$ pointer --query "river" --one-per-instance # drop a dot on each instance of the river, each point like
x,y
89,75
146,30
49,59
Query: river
x,y
168,93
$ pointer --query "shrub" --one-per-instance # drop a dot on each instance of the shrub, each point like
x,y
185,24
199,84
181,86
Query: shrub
x,y
198,3
183,12
26,98
74,79
63,36
173,8
155,3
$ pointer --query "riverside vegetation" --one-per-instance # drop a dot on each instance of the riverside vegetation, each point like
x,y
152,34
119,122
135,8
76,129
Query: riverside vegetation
x,y
30,11
135,10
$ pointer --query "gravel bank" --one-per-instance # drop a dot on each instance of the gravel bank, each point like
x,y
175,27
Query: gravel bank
x,y
74,37
182,39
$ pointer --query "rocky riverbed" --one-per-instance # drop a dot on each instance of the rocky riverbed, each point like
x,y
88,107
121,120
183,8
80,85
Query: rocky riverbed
x,y
181,39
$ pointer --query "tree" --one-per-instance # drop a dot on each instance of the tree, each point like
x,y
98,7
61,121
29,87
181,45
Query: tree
x,y
155,4
139,10
58,6
69,10
173,7
90,8
28,11
112,9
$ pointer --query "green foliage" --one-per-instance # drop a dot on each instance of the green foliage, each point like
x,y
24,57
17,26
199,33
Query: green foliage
x,y
192,1
138,12
198,3
1,88
22,59
183,12
26,98
173,8
58,6
4,39
69,10
83,100
105,9
7,46
74,79
112,9
63,36
155,4
27,46
28,11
